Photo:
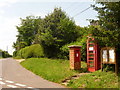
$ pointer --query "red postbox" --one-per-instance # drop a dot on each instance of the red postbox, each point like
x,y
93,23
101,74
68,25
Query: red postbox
x,y
93,55
75,56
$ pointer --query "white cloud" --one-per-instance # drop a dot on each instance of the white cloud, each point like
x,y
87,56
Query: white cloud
x,y
56,1
4,3
7,26
2,11
8,32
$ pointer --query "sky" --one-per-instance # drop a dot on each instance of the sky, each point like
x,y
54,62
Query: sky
x,y
12,10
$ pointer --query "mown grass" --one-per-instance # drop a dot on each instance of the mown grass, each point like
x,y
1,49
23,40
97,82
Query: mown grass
x,y
58,70
53,70
96,79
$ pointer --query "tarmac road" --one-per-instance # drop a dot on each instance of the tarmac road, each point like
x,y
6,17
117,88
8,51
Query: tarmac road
x,y
13,75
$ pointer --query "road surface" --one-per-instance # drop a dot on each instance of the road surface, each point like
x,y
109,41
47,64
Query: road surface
x,y
13,75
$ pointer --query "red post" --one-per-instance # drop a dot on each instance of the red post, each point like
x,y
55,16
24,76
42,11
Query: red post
x,y
75,57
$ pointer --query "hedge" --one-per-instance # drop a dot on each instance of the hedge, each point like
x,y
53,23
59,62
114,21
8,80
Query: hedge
x,y
35,50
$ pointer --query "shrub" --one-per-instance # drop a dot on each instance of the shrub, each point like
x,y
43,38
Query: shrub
x,y
4,54
38,51
35,50
14,53
64,54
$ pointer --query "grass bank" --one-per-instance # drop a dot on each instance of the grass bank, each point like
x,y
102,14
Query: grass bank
x,y
58,70
53,70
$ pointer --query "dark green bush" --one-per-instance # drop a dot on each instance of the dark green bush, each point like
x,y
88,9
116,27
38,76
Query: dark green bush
x,y
35,50
14,53
65,50
4,54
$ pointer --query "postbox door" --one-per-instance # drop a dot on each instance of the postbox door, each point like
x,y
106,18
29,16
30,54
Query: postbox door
x,y
77,56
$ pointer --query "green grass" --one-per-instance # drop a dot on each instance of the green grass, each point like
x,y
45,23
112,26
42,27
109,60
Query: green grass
x,y
58,70
53,70
17,57
96,79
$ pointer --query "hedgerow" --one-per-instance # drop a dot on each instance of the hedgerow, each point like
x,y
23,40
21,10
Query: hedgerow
x,y
35,50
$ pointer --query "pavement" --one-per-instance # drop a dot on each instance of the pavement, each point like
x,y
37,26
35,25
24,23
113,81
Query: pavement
x,y
13,75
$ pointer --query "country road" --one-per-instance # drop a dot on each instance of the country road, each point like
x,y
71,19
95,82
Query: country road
x,y
13,75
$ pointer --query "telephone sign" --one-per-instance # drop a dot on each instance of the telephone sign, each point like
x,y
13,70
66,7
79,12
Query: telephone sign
x,y
91,48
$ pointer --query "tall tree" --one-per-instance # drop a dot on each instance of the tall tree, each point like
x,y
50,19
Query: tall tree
x,y
27,31
56,29
109,15
109,21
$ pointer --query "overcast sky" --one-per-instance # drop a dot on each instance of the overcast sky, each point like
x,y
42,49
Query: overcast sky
x,y
12,10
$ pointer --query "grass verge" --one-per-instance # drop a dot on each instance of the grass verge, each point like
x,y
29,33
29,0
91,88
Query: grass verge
x,y
58,70
53,70
96,79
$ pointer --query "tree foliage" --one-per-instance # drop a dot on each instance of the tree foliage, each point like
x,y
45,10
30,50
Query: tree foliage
x,y
4,54
26,31
52,32
108,33
56,30
109,15
109,20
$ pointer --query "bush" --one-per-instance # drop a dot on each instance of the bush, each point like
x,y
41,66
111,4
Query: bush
x,y
65,50
14,53
35,50
4,54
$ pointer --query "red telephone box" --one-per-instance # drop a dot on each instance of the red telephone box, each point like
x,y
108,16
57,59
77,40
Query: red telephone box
x,y
74,56
93,55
